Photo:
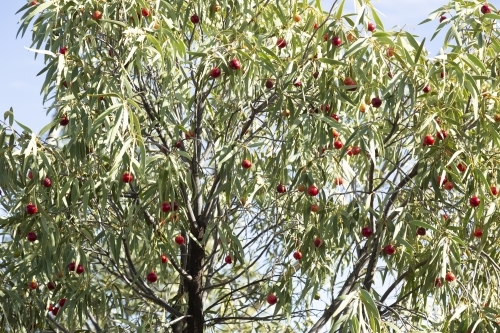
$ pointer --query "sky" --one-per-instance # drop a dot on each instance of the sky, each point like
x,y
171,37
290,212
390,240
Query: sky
x,y
20,87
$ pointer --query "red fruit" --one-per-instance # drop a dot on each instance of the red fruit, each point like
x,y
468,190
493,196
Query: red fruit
x,y
228,260
246,164
318,242
176,205
164,259
356,150
390,75
315,75
31,237
350,82
349,151
442,135
315,25
31,209
33,285
336,41
325,37
297,255
80,269
448,186
314,208
438,282
33,3
55,311
127,177
474,201
338,144
165,207
297,84
178,144
63,50
389,249
325,107
72,266
189,134
269,84
195,19
461,167
179,239
30,174
97,15
445,216
51,285
494,190
371,27
442,18
334,117
46,182
366,231
428,140
312,191
215,72
450,277
485,9
272,299
152,277
301,188
234,64
376,102
62,301
64,121
145,12
421,231
427,89
478,233
441,180
281,188
281,43
339,181
443,74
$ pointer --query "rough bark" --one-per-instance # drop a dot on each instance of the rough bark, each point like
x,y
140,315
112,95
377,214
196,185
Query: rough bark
x,y
194,288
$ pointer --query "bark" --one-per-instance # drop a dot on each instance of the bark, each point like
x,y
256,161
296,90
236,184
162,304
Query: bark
x,y
194,287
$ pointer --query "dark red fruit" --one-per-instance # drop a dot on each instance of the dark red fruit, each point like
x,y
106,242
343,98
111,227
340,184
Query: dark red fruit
x,y
371,27
269,84
51,285
246,164
31,237
46,182
127,177
72,266
234,64
80,269
474,201
442,18
281,43
376,102
31,209
64,121
366,231
165,207
179,239
312,191
389,249
62,301
318,242
152,277
297,255
228,259
336,41
215,72
421,231
281,188
195,19
272,299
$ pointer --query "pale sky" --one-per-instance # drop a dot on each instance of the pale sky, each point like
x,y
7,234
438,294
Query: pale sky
x,y
20,87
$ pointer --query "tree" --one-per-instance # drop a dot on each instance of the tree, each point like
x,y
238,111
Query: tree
x,y
221,167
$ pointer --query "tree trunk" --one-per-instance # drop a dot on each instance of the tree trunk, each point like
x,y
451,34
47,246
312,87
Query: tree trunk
x,y
195,269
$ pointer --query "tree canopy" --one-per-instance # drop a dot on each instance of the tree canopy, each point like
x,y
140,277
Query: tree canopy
x,y
223,166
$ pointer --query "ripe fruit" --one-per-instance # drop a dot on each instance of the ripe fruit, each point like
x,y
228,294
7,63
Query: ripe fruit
x,y
325,107
478,233
366,231
442,75
350,82
228,259
371,27
30,174
442,18
427,89
127,177
46,182
450,277
33,285
315,25
421,231
51,285
64,121
215,72
301,188
62,301
55,311
336,41
334,117
152,277
178,144
318,242
97,15
31,237
389,249
448,186
338,144
474,201
72,266
297,255
441,180
485,9
246,164
269,84
195,19
63,50
80,269
494,190
31,209
312,191
438,282
339,181
234,64
281,43
376,102
428,140
497,118
165,207
179,239
281,188
145,12
315,75
297,83
442,135
461,167
272,299
314,208
356,150
33,3
164,259
296,18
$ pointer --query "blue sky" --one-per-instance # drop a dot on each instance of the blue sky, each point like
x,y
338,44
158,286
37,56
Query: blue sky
x,y
20,87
